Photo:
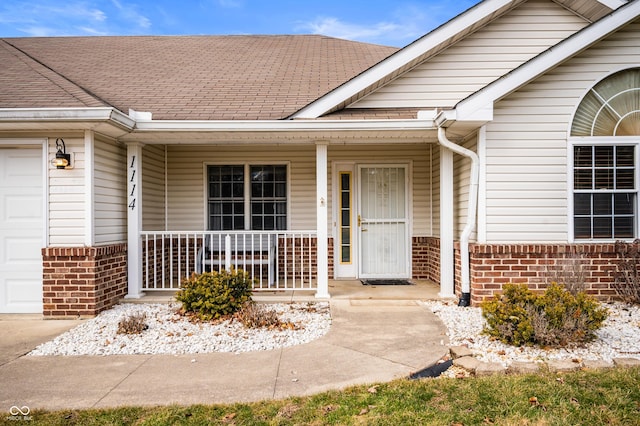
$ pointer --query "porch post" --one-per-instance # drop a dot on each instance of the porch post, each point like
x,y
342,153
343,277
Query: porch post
x,y
89,189
134,220
446,224
322,220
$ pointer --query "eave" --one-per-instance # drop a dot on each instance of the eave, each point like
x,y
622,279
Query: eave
x,y
282,131
107,121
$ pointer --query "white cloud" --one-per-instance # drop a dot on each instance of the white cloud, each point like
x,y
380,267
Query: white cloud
x,y
129,13
39,31
406,23
91,31
73,17
336,28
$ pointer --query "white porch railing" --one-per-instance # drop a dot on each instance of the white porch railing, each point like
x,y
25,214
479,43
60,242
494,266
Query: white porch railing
x,y
275,260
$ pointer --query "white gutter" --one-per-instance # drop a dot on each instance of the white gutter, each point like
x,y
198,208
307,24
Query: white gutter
x,y
67,114
471,211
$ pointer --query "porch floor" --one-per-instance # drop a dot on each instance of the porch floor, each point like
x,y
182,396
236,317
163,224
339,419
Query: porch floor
x,y
338,289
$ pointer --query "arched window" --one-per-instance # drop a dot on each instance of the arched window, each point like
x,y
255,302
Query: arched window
x,y
611,108
605,172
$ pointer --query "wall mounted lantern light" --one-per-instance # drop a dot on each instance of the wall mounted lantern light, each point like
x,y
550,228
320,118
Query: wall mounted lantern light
x,y
62,160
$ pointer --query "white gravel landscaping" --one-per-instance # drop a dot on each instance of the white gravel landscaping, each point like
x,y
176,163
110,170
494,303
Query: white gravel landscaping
x,y
170,333
618,338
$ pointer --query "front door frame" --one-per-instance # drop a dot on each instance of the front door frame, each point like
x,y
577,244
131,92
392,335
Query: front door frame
x,y
351,270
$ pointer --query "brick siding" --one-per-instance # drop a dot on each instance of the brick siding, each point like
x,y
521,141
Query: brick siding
x,y
83,281
426,258
493,265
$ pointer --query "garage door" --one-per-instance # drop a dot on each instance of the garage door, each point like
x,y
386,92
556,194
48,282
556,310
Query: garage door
x,y
21,229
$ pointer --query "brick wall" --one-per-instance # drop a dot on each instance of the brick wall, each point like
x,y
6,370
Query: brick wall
x,y
425,253
83,281
493,265
297,259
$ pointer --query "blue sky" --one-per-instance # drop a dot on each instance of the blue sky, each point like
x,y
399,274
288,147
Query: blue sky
x,y
388,22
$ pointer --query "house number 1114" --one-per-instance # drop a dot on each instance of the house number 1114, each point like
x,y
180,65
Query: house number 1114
x,y
132,198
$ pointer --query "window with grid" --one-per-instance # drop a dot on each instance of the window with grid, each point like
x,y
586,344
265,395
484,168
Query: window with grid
x,y
247,197
226,197
604,198
604,171
268,197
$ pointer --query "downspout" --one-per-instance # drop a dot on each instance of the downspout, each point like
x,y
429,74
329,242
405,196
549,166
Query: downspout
x,y
465,298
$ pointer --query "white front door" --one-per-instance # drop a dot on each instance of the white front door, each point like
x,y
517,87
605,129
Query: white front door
x,y
21,229
383,225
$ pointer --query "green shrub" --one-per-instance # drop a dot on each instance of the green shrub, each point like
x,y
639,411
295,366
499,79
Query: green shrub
x,y
507,316
555,318
565,318
212,295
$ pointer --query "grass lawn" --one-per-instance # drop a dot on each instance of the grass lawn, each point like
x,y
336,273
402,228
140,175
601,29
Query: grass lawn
x,y
582,398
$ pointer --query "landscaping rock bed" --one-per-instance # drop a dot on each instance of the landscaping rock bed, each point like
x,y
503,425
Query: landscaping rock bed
x,y
167,332
616,343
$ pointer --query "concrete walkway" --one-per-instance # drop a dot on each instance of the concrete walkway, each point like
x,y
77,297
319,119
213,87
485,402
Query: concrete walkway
x,y
370,340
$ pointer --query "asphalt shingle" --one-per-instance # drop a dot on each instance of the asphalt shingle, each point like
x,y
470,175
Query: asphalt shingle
x,y
182,77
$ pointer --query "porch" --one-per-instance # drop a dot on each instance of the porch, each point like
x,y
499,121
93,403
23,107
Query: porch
x,y
297,214
352,290
275,260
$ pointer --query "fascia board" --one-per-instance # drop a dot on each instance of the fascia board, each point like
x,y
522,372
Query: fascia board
x,y
278,125
484,98
613,4
400,58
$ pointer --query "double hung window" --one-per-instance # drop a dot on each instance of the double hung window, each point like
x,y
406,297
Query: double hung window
x,y
605,137
604,197
243,197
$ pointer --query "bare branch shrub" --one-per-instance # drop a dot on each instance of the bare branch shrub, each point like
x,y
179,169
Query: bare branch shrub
x,y
133,324
569,272
627,277
253,315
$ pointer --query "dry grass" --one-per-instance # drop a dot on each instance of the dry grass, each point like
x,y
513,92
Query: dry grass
x,y
582,398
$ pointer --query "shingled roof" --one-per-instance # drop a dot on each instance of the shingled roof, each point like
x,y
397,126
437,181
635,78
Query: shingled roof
x,y
181,77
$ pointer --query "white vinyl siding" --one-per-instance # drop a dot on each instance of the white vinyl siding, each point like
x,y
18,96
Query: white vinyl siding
x,y
153,188
433,187
110,192
461,181
67,196
527,164
418,156
187,171
479,59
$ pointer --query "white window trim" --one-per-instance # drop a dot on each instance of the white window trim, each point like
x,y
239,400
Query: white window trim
x,y
603,141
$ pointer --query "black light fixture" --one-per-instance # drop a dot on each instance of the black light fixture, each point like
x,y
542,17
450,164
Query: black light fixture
x,y
62,160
